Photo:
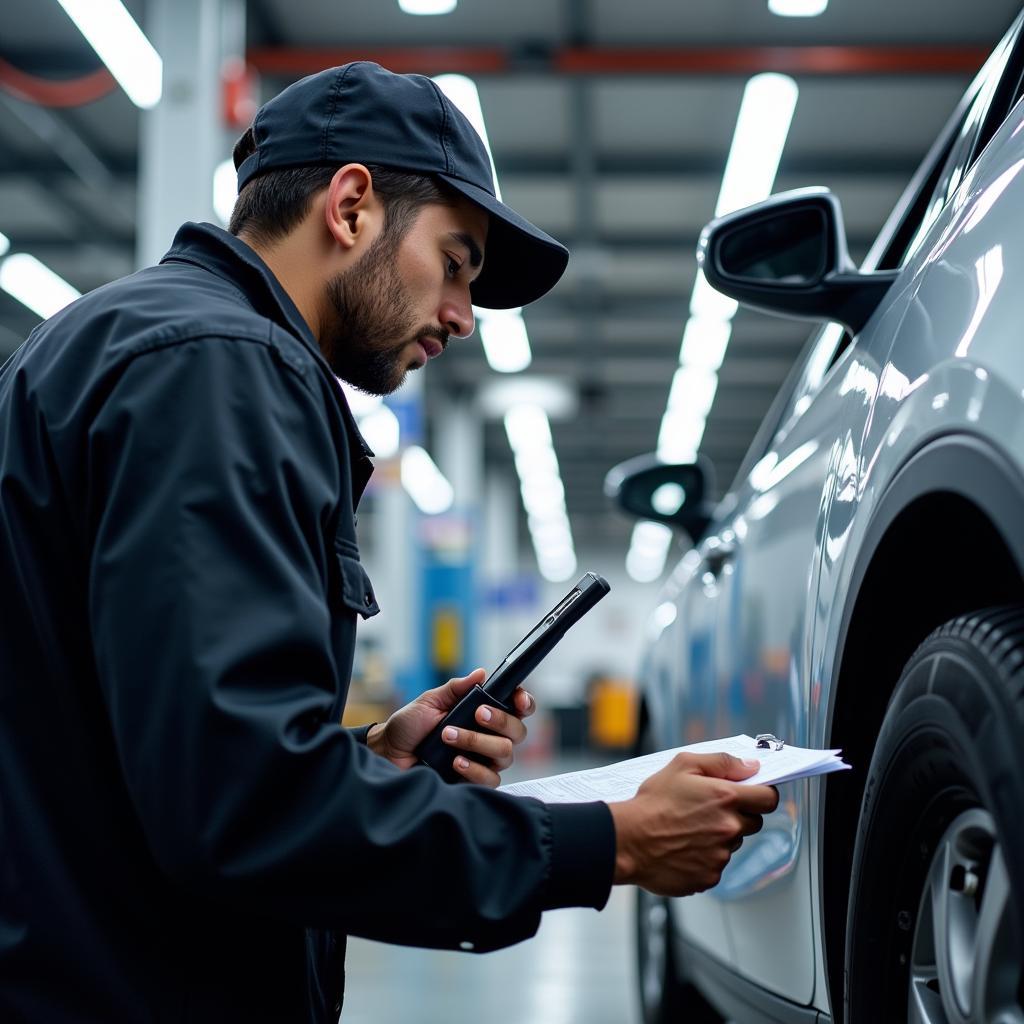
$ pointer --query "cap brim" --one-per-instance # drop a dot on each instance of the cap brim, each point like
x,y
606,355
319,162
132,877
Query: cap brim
x,y
521,262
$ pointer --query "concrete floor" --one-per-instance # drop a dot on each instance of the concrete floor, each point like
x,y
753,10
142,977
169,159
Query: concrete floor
x,y
577,969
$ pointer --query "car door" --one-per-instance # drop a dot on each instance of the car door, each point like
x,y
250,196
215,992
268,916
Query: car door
x,y
692,642
766,671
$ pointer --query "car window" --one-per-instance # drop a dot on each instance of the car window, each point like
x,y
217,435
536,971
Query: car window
x,y
992,95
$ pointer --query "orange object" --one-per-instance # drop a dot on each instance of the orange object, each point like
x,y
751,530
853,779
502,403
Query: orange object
x,y
613,714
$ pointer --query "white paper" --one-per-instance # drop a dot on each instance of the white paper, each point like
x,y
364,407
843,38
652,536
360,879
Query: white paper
x,y
621,781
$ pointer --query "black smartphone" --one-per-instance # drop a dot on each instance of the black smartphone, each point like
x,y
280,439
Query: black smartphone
x,y
498,687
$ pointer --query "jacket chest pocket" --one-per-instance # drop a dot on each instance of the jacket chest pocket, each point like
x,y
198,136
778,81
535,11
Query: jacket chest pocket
x,y
352,598
356,591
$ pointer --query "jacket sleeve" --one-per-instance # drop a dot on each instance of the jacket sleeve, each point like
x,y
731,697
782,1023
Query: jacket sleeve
x,y
213,474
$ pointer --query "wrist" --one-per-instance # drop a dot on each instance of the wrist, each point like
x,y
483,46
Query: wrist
x,y
625,858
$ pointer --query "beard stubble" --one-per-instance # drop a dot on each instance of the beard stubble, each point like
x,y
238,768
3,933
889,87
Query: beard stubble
x,y
371,308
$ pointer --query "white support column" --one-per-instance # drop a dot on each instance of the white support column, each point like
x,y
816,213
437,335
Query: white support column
x,y
183,136
500,628
459,454
398,582
396,555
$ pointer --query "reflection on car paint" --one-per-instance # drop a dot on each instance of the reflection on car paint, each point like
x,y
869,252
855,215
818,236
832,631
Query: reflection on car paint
x,y
989,269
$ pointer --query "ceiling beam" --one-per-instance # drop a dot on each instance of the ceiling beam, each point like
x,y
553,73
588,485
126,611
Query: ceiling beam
x,y
637,163
516,168
730,61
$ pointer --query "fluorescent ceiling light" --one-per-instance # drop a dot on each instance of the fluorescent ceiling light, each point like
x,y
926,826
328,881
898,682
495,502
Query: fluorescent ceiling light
x,y
5,244
693,391
426,484
709,304
558,568
650,537
680,436
705,341
544,499
549,533
527,427
462,91
537,462
35,285
552,394
762,125
648,550
761,129
797,8
225,190
506,343
120,44
428,6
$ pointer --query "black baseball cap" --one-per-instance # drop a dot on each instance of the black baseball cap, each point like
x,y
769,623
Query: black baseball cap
x,y
362,113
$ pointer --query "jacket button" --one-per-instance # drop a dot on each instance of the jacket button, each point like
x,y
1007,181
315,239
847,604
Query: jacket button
x,y
466,945
368,599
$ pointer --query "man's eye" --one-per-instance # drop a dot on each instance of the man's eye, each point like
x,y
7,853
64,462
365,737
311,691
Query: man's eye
x,y
453,266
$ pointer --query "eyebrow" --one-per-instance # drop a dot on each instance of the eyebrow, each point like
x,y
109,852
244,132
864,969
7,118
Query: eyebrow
x,y
476,256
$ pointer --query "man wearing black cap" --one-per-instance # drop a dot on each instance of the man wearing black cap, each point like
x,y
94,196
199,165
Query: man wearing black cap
x,y
186,833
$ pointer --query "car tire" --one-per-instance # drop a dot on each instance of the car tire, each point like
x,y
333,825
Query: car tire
x,y
936,906
665,998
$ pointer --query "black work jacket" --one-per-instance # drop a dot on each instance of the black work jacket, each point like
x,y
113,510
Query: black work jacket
x,y
186,833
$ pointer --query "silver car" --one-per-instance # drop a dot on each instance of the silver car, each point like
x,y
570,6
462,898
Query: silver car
x,y
861,585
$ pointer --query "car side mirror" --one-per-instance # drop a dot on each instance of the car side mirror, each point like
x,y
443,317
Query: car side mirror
x,y
788,255
674,493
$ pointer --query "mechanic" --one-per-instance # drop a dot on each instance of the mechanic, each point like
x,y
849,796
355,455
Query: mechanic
x,y
186,832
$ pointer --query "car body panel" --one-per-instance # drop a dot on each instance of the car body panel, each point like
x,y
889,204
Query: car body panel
x,y
688,650
756,643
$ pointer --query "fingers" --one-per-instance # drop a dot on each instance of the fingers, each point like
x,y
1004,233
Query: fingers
x,y
718,766
756,799
750,824
496,749
501,723
523,702
473,771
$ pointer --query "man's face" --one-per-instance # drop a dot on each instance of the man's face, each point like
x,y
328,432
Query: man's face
x,y
398,306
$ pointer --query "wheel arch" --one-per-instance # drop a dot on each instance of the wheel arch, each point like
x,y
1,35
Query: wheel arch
x,y
953,487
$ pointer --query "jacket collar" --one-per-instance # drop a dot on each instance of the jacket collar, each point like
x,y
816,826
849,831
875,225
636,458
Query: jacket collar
x,y
221,253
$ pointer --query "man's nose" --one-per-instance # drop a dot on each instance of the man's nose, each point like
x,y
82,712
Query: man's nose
x,y
456,314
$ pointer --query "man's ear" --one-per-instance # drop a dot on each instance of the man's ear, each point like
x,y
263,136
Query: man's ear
x,y
352,209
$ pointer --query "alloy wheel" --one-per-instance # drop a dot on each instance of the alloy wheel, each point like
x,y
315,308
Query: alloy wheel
x,y
966,957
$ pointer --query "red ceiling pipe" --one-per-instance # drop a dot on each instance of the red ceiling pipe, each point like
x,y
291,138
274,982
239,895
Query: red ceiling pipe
x,y
736,60
56,92
424,60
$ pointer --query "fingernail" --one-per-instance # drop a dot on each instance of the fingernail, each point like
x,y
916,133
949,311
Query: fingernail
x,y
462,763
751,764
451,734
485,714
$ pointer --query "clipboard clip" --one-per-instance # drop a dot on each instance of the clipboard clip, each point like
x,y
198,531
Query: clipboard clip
x,y
768,741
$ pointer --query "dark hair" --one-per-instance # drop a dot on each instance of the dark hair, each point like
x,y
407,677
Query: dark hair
x,y
271,204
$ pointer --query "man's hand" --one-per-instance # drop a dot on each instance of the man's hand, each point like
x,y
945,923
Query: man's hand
x,y
677,834
398,737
